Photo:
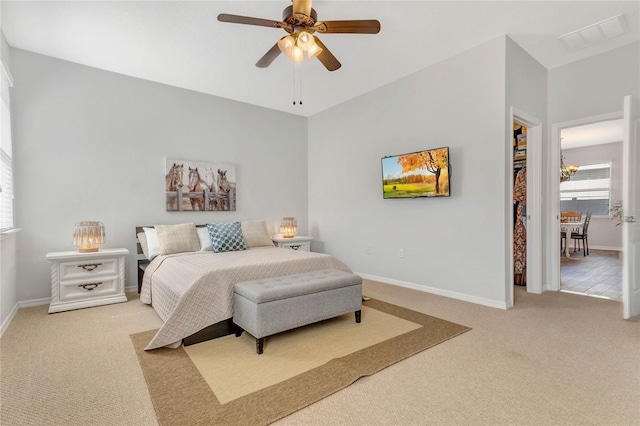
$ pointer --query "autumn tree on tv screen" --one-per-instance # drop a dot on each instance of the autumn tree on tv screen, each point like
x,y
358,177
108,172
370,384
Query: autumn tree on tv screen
x,y
418,174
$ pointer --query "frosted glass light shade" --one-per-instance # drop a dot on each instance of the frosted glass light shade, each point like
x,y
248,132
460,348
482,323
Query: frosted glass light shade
x,y
285,44
297,54
88,236
314,51
305,40
288,227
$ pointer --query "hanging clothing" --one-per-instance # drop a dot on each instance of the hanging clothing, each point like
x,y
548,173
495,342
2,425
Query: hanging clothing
x,y
520,232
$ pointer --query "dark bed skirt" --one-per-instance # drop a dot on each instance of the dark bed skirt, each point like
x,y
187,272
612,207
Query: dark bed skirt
x,y
220,329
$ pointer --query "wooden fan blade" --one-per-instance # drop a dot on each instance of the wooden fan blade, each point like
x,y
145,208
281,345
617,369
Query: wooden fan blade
x,y
268,57
247,20
302,6
328,60
365,26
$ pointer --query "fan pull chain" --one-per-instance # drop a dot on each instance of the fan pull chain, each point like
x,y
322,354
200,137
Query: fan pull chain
x,y
295,65
300,80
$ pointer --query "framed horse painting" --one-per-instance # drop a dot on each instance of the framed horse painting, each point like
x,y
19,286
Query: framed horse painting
x,y
193,185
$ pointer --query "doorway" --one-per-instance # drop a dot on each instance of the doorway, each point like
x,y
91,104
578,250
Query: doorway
x,y
591,263
574,130
532,215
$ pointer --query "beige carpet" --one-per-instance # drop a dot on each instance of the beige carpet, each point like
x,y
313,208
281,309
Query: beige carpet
x,y
554,359
225,382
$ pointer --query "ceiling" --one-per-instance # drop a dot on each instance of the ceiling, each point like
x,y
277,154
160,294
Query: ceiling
x,y
181,43
599,133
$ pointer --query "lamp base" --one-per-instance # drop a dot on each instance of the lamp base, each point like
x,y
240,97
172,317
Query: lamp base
x,y
89,250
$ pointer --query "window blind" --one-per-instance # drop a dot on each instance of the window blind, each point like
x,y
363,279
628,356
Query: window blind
x,y
6,162
588,190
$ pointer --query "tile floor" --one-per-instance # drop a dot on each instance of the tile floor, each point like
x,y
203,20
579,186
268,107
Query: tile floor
x,y
598,274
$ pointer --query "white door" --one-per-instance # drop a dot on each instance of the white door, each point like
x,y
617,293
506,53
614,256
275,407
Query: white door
x,y
631,205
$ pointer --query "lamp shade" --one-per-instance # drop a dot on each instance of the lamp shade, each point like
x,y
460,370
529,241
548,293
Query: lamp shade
x,y
297,54
305,40
314,51
88,236
288,227
285,44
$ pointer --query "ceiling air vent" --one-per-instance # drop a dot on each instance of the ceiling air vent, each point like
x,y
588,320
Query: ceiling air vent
x,y
596,33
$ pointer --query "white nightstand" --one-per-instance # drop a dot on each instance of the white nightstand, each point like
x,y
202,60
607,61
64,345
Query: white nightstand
x,y
295,243
81,280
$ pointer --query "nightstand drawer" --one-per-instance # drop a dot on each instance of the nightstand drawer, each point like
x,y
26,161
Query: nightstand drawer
x,y
302,246
88,288
85,269
299,243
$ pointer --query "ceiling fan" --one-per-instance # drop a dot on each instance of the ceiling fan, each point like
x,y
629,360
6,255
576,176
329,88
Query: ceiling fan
x,y
301,22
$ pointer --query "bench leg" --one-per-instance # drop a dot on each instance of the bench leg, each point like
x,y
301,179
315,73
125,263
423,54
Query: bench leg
x,y
238,330
260,345
358,316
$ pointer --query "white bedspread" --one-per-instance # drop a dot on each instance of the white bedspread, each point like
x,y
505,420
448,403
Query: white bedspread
x,y
191,291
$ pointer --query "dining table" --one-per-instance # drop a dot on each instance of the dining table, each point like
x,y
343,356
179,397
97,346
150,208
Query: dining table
x,y
568,228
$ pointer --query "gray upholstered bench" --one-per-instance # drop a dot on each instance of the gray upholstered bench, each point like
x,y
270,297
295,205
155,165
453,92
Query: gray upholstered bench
x,y
272,305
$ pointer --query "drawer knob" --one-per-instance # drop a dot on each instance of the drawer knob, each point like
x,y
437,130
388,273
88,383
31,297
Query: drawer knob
x,y
89,286
295,247
89,266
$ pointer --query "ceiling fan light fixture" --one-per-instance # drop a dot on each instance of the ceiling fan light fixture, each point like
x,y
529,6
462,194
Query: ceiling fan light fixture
x,y
286,45
297,54
314,51
305,40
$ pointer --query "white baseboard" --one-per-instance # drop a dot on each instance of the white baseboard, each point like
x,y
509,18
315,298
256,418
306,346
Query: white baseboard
x,y
40,302
605,248
438,291
7,321
34,302
20,305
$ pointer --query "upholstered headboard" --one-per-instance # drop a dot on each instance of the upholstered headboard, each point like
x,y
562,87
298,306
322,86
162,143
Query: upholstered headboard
x,y
142,260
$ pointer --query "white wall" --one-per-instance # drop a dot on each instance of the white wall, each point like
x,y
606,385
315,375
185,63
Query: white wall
x,y
8,279
90,145
452,245
603,232
526,82
595,85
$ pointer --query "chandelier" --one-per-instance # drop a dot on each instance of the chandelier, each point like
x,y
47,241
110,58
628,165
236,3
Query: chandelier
x,y
566,171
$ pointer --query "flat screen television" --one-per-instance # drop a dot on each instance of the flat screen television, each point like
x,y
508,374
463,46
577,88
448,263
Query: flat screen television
x,y
416,174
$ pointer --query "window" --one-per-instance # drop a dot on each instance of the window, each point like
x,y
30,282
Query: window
x,y
6,166
588,190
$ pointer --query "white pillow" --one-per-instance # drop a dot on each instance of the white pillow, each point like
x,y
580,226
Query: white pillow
x,y
142,239
153,245
205,238
179,238
255,233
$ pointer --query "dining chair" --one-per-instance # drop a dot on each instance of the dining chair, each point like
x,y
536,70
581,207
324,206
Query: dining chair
x,y
568,217
582,236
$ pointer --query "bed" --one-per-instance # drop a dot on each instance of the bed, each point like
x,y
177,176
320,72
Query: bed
x,y
193,290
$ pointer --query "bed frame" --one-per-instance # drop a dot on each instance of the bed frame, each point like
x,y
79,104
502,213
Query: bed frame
x,y
220,329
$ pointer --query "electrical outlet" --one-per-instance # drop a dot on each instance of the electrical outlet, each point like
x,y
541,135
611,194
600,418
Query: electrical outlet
x,y
401,253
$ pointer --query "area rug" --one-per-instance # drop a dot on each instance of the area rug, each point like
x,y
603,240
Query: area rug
x,y
224,381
